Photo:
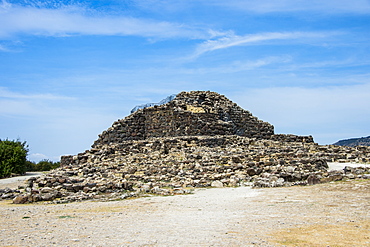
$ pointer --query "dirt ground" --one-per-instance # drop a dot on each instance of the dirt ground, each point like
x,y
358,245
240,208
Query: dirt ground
x,y
333,214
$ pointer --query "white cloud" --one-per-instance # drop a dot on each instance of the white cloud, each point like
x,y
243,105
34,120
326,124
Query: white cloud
x,y
3,48
5,93
239,66
20,104
232,40
13,107
72,20
51,125
327,6
164,5
262,6
36,157
252,65
325,64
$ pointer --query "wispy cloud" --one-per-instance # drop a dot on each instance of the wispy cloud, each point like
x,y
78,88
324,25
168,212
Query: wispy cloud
x,y
327,6
232,40
263,6
72,20
3,48
37,157
21,104
332,64
7,94
50,122
239,66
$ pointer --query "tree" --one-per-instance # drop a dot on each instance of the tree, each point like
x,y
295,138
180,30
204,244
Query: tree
x,y
43,165
13,157
46,165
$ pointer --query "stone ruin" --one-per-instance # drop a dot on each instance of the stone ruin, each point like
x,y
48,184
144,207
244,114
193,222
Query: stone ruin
x,y
188,114
197,139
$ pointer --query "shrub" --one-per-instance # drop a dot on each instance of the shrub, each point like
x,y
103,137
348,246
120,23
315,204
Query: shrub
x,y
46,165
30,166
13,157
43,165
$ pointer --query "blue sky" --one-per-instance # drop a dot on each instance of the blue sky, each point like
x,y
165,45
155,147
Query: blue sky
x,y
69,69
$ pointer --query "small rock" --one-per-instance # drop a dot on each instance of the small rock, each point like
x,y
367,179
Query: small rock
x,y
21,199
313,179
7,196
350,176
46,190
217,184
48,196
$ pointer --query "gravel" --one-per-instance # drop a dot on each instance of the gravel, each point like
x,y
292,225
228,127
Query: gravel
x,y
341,165
210,217
14,182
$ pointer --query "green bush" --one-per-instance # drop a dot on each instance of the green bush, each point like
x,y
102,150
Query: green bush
x,y
47,165
30,166
43,165
13,157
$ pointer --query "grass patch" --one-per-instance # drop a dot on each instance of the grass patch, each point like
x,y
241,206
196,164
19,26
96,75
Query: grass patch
x,y
345,234
66,217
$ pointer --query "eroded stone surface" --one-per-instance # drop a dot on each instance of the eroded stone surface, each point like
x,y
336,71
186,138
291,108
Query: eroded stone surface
x,y
199,139
189,114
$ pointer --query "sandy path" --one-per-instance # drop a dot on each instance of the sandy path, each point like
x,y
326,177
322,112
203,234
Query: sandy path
x,y
340,166
212,217
15,181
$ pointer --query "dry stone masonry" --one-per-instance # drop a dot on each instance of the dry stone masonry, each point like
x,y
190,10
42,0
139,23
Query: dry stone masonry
x,y
198,139
188,114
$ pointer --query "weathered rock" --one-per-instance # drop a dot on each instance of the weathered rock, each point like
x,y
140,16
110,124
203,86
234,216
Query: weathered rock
x,y
188,114
48,196
46,190
313,179
199,139
21,199
333,176
217,184
7,196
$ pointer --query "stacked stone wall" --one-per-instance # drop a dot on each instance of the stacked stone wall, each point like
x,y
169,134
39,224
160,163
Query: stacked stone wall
x,y
194,113
291,138
176,164
199,139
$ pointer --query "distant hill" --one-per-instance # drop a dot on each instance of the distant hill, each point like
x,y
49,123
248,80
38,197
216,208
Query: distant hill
x,y
362,141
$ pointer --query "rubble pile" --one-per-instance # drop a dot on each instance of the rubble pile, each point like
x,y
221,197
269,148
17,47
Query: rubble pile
x,y
188,114
198,139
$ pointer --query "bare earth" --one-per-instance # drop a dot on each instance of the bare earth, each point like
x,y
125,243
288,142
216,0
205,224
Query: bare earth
x,y
14,182
333,214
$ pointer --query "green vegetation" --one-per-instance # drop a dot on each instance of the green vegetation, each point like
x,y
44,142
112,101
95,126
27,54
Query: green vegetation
x,y
66,217
43,165
13,159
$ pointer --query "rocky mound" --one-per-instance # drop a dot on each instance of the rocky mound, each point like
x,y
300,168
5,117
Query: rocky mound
x,y
353,142
198,139
188,114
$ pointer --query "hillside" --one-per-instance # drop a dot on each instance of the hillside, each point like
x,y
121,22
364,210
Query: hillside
x,y
353,142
